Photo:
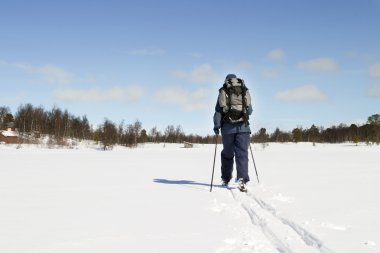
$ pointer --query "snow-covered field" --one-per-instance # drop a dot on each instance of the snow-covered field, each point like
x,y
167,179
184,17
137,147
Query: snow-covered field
x,y
156,199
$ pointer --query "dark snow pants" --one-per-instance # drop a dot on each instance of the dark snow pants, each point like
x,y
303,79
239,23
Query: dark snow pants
x,y
235,145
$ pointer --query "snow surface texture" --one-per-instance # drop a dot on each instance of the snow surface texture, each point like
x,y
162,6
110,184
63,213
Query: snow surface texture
x,y
156,198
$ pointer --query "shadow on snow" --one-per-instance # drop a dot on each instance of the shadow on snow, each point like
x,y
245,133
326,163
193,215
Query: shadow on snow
x,y
187,183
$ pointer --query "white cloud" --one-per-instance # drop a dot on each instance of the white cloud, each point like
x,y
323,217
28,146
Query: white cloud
x,y
180,74
50,73
196,55
374,70
374,91
18,98
116,93
187,100
303,93
360,56
201,74
54,74
276,54
319,64
244,66
146,52
270,73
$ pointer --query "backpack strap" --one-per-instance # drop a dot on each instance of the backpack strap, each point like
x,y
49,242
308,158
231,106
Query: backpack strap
x,y
243,93
228,100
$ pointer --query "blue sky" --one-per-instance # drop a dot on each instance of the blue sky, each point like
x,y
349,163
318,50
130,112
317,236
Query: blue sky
x,y
162,62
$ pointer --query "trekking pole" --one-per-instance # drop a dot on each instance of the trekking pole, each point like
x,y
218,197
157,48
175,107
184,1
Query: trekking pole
x,y
254,163
213,166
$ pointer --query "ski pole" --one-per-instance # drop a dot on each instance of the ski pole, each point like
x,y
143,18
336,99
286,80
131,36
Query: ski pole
x,y
254,163
213,166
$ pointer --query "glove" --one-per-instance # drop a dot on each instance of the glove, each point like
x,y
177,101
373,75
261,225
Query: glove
x,y
217,121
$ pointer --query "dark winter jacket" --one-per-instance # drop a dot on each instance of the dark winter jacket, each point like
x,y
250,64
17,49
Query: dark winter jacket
x,y
230,128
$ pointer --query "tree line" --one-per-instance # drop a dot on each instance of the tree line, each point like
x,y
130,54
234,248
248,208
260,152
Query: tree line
x,y
368,132
32,122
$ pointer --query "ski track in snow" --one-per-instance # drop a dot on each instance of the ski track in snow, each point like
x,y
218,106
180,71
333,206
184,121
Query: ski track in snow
x,y
284,233
305,235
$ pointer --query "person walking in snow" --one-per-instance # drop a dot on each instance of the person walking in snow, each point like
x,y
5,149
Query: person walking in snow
x,y
231,116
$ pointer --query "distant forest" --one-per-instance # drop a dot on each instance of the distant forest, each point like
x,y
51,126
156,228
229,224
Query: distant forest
x,y
33,122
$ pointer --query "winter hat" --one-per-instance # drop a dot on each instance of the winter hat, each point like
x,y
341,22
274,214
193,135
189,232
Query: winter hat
x,y
229,76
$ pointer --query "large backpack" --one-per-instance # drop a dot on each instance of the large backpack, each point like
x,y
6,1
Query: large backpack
x,y
234,100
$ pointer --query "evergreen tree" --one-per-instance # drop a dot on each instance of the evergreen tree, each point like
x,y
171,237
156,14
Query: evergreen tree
x,y
143,136
261,136
108,134
374,119
297,135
